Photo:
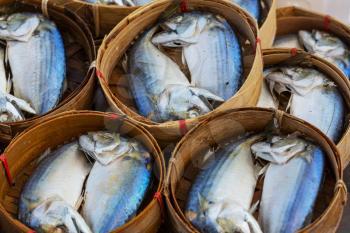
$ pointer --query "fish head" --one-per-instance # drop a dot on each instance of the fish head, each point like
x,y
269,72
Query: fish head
x,y
55,215
19,26
103,146
181,30
230,216
185,102
323,43
281,149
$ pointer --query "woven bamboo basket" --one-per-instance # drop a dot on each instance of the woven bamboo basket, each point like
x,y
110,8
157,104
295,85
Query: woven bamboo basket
x,y
292,19
114,81
277,56
102,18
188,155
22,153
269,26
80,53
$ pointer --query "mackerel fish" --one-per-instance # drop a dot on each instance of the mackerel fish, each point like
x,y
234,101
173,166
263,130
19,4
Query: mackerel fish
x,y
314,98
221,196
161,91
296,170
51,197
211,50
114,192
36,57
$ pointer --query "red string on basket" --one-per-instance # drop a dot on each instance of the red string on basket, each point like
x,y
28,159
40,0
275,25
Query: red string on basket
x,y
183,127
159,198
293,51
101,76
257,43
6,167
326,22
113,116
184,5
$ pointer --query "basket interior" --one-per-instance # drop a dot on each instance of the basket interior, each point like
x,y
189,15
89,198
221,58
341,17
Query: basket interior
x,y
223,129
118,78
22,168
78,46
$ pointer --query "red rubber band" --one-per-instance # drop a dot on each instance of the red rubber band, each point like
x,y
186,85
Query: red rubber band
x,y
113,116
6,167
257,43
159,198
183,5
326,22
293,51
101,76
183,127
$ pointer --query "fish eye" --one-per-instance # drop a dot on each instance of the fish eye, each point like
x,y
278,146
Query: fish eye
x,y
193,113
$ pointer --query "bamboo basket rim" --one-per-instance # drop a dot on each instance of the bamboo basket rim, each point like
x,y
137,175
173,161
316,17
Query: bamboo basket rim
x,y
334,68
157,154
91,54
339,189
305,14
123,25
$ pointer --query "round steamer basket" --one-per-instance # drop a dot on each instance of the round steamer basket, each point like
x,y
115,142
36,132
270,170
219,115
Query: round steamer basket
x,y
79,49
299,57
102,18
22,153
292,19
188,157
115,84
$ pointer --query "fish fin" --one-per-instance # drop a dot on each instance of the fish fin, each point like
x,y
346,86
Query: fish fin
x,y
227,225
252,223
206,94
203,203
254,207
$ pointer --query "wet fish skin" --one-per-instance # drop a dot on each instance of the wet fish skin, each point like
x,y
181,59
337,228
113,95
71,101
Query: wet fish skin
x,y
58,179
252,6
220,197
309,87
298,181
327,46
211,51
118,189
40,62
161,91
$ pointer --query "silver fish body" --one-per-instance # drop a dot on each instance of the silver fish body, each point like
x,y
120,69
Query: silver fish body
x,y
52,193
161,91
314,98
297,180
211,50
114,192
222,194
37,64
